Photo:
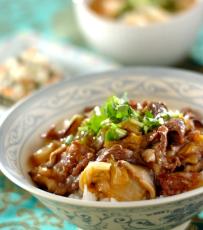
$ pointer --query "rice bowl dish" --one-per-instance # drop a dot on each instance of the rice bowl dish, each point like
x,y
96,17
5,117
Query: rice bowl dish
x,y
21,137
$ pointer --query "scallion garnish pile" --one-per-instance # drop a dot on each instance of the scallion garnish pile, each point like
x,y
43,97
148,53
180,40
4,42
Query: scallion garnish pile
x,y
169,5
109,118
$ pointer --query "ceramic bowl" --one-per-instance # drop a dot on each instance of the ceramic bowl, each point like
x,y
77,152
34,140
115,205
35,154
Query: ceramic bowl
x,y
154,44
21,128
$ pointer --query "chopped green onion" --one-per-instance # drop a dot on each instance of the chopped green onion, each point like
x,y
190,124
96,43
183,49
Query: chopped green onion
x,y
116,110
115,133
68,139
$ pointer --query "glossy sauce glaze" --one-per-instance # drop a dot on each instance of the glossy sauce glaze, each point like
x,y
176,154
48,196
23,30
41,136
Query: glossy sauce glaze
x,y
122,150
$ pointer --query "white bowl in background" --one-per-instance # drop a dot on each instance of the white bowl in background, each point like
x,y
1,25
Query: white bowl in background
x,y
155,44
20,136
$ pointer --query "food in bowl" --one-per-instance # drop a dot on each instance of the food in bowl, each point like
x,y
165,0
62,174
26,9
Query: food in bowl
x,y
20,137
139,12
122,151
25,73
170,42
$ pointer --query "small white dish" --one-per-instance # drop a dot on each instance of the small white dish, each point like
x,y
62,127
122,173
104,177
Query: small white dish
x,y
155,44
68,59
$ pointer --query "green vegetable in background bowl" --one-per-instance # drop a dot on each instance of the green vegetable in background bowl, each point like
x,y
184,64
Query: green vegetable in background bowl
x,y
139,12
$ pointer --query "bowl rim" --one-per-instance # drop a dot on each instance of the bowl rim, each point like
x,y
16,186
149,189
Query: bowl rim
x,y
102,204
171,20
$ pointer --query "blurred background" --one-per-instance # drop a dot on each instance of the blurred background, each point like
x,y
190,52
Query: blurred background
x,y
55,20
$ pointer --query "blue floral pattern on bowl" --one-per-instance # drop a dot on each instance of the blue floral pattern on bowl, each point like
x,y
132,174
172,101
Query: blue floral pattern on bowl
x,y
20,133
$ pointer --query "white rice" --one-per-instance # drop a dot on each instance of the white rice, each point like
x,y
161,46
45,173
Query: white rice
x,y
87,195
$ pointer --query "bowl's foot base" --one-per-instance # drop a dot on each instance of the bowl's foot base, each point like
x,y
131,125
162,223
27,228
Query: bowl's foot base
x,y
182,226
